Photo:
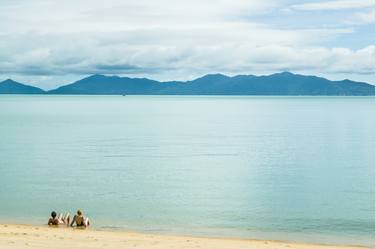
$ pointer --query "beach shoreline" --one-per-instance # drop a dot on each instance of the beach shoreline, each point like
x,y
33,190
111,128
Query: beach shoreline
x,y
31,236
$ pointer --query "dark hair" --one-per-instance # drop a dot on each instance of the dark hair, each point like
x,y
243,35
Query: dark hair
x,y
53,214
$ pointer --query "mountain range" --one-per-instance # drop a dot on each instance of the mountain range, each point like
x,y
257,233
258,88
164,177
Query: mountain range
x,y
285,83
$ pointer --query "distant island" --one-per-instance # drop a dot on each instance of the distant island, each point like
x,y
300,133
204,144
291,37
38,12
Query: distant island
x,y
284,83
12,87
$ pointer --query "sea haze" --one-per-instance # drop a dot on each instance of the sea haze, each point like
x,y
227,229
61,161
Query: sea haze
x,y
298,168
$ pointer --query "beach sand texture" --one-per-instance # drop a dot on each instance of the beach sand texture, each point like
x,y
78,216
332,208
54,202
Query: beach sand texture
x,y
25,236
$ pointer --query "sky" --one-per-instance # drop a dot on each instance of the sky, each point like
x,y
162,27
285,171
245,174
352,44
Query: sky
x,y
48,43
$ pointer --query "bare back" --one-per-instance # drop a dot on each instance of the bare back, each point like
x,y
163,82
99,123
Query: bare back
x,y
53,221
80,220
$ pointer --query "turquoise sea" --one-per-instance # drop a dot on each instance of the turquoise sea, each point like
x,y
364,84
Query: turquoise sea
x,y
286,168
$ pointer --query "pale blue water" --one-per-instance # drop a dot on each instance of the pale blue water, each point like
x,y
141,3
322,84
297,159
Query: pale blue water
x,y
290,168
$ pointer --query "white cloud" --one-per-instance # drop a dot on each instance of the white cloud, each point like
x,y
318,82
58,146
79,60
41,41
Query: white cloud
x,y
117,15
166,61
57,41
335,5
365,17
146,50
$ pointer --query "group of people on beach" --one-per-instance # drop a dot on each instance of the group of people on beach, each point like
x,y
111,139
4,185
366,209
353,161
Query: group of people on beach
x,y
79,220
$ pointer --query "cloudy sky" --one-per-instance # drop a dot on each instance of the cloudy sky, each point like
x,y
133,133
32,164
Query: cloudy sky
x,y
49,42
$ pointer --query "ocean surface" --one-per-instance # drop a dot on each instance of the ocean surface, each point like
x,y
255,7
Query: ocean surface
x,y
288,168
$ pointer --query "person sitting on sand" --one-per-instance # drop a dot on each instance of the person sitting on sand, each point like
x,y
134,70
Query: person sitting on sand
x,y
59,220
80,220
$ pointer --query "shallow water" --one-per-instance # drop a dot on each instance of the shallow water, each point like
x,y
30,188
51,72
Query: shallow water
x,y
290,168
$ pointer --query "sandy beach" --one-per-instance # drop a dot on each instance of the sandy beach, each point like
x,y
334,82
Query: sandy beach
x,y
26,236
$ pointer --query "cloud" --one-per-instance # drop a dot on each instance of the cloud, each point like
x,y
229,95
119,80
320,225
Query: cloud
x,y
365,17
119,15
334,5
171,39
147,51
160,58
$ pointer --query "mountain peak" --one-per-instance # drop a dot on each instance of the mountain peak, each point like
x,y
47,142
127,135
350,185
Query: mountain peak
x,y
9,81
215,75
287,73
284,73
95,76
212,77
10,86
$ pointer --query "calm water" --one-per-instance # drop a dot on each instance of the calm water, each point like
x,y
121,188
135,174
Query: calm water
x,y
254,167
